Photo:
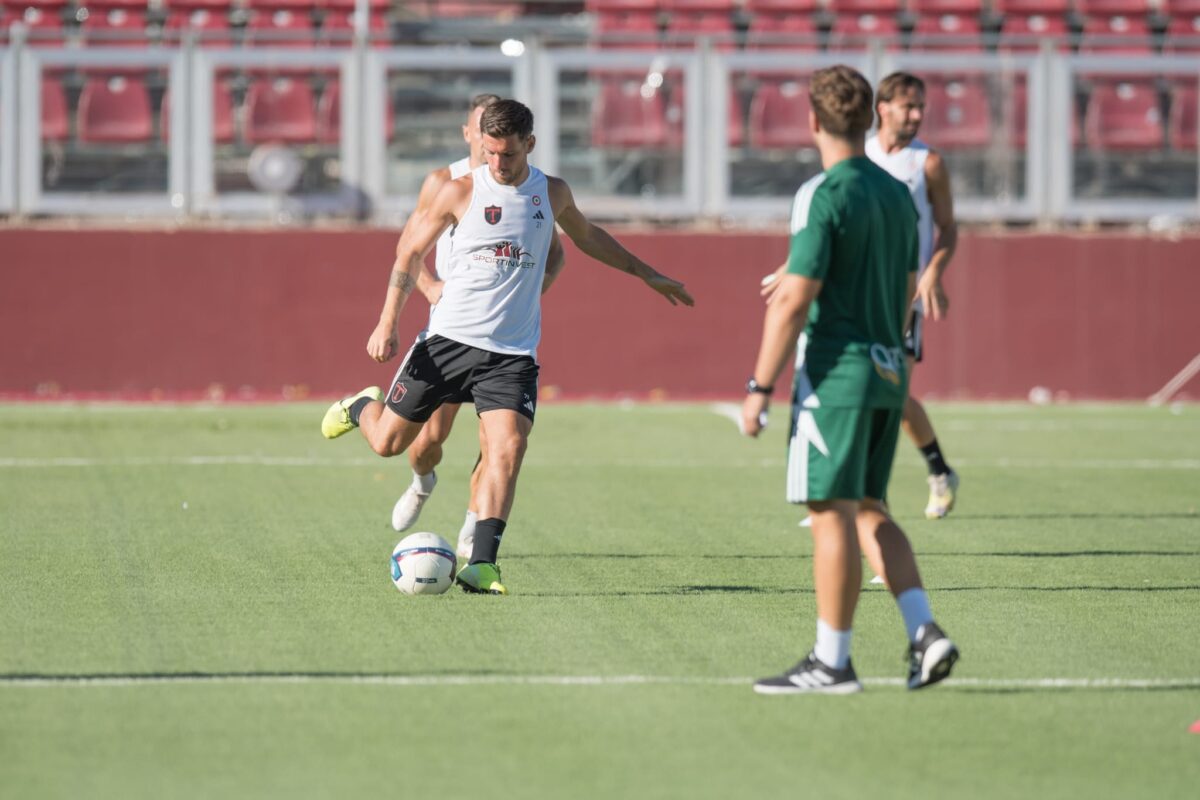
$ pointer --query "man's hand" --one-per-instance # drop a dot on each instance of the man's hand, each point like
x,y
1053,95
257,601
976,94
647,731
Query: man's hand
x,y
383,342
933,298
671,289
770,282
754,413
433,292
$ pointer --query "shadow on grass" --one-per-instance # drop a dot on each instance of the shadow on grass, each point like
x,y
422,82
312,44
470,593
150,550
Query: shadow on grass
x,y
799,555
1078,515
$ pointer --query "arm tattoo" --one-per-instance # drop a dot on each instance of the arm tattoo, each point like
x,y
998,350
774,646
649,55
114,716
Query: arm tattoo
x,y
402,281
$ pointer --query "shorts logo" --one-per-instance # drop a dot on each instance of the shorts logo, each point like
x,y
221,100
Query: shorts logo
x,y
492,214
888,363
398,392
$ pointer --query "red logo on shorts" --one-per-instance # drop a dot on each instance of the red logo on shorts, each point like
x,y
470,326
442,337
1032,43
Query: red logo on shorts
x,y
492,214
398,392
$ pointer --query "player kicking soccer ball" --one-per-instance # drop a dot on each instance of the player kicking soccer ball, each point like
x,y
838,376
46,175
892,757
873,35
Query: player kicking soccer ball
x,y
848,287
483,334
426,452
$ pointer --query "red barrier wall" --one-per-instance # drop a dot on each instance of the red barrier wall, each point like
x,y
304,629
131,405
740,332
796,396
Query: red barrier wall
x,y
282,313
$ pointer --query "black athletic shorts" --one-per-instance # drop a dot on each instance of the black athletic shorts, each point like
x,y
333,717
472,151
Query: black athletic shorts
x,y
913,335
439,370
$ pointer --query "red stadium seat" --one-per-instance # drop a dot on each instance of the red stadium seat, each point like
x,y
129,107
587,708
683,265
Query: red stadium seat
x,y
688,21
56,126
115,110
280,28
783,31
957,113
1116,34
855,7
280,110
337,29
1124,115
1023,33
1113,8
105,5
115,27
954,32
626,116
1018,122
1183,34
210,25
858,29
935,7
223,131
779,115
1182,128
299,6
44,25
626,23
781,7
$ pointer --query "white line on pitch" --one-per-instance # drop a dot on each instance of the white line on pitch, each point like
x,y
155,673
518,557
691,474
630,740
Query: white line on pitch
x,y
568,680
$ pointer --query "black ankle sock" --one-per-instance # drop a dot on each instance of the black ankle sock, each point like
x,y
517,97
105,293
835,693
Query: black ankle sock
x,y
935,459
358,407
488,533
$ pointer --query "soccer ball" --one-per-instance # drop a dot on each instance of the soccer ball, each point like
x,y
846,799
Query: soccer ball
x,y
423,563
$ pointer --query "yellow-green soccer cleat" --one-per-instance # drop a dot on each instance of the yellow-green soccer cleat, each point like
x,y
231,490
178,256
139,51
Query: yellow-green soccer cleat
x,y
481,579
942,491
337,418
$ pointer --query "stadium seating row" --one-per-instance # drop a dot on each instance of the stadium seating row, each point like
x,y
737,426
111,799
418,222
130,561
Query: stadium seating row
x,y
1120,114
117,109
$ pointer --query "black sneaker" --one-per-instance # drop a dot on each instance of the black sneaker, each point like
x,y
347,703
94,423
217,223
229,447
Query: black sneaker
x,y
811,676
931,658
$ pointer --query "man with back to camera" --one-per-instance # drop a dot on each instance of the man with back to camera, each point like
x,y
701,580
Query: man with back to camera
x,y
900,106
483,333
848,287
426,452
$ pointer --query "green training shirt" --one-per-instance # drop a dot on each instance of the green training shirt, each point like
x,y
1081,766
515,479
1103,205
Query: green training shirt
x,y
854,228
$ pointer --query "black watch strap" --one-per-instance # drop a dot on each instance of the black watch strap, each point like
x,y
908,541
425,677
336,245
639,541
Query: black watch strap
x,y
754,387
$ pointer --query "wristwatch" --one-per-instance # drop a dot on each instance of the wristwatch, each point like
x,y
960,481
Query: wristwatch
x,y
754,387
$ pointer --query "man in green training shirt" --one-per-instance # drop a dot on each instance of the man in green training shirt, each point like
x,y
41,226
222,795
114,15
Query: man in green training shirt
x,y
849,284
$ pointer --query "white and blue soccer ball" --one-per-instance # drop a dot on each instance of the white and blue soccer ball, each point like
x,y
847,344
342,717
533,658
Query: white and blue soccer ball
x,y
423,563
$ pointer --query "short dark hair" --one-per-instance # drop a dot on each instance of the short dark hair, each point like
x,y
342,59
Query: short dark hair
x,y
483,101
507,118
895,83
841,101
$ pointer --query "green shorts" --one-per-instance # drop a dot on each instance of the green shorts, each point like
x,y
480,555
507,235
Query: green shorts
x,y
841,453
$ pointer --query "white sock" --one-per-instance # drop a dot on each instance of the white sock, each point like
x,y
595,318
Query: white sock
x,y
833,646
468,526
914,607
424,483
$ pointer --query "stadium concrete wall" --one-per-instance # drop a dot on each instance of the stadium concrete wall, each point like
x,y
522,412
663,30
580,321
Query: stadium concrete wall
x,y
267,314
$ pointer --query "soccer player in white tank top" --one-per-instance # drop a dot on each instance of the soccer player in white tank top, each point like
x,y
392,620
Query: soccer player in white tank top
x,y
900,106
502,376
426,452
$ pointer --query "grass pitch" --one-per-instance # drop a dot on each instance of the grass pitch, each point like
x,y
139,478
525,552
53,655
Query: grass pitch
x,y
195,602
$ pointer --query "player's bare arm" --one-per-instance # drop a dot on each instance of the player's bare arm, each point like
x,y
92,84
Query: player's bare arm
x,y
556,259
929,289
447,208
783,323
596,242
428,284
770,282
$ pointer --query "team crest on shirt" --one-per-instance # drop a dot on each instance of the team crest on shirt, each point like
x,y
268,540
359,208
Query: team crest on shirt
x,y
492,214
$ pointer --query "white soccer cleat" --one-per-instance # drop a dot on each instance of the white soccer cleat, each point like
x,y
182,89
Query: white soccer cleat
x,y
806,522
877,579
408,507
942,490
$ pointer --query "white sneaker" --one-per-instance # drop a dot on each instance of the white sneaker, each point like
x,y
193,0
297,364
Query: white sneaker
x,y
942,489
877,579
408,507
806,522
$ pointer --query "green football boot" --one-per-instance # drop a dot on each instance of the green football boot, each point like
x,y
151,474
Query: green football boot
x,y
481,579
337,418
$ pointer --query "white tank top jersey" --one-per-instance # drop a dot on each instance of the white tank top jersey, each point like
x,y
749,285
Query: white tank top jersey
x,y
908,165
441,256
492,296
